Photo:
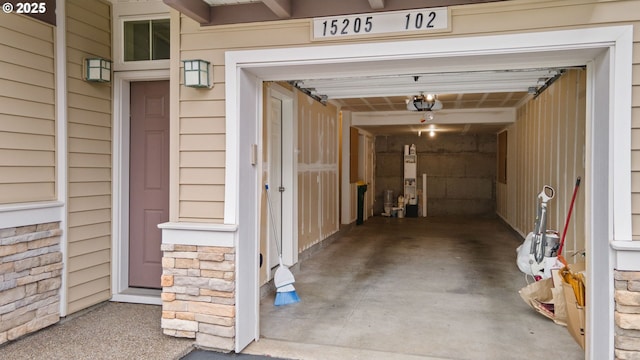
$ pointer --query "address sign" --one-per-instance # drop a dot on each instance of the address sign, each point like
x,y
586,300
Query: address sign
x,y
424,20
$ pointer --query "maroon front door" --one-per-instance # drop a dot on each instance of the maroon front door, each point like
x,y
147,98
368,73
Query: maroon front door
x,y
148,180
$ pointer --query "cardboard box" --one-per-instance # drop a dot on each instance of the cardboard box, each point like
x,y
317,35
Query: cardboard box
x,y
575,312
546,299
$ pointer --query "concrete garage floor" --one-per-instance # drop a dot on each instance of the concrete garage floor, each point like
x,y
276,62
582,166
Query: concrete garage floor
x,y
413,288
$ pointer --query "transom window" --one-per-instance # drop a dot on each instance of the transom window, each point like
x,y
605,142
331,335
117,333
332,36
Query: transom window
x,y
146,40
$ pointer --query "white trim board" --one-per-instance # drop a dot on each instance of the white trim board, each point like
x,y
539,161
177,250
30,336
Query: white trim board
x,y
245,70
16,215
139,296
199,234
626,255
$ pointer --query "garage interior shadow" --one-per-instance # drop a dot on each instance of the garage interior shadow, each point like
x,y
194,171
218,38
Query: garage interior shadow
x,y
438,287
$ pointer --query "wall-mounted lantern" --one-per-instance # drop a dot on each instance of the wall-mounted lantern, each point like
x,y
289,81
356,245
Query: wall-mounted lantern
x,y
196,73
97,70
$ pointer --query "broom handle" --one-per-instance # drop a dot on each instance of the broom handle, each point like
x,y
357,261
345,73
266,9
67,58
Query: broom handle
x,y
273,221
566,225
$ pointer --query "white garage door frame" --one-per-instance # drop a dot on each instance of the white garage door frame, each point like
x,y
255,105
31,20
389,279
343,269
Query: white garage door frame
x,y
607,53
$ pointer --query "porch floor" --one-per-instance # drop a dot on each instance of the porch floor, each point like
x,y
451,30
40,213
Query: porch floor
x,y
107,331
413,288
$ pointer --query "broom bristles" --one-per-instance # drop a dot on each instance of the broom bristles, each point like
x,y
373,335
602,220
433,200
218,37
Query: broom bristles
x,y
286,298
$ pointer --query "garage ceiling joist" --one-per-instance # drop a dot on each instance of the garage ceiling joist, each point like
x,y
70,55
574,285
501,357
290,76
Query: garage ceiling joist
x,y
221,12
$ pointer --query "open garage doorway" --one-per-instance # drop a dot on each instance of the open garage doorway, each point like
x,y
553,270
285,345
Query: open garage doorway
x,y
607,122
447,285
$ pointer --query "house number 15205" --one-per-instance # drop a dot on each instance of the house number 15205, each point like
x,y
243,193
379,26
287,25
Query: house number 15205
x,y
347,26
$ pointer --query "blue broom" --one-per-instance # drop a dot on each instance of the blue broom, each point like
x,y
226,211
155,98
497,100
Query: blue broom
x,y
283,278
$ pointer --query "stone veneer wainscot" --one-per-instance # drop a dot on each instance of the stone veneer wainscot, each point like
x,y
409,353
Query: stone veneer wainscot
x,y
627,338
198,294
30,278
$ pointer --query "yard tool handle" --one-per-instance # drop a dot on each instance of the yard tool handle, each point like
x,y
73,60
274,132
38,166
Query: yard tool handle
x,y
566,225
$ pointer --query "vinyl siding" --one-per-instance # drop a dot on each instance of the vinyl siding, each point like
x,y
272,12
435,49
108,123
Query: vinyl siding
x,y
202,152
89,159
468,20
27,110
546,147
202,116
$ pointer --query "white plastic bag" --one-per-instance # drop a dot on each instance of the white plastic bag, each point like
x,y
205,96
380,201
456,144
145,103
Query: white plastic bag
x,y
523,252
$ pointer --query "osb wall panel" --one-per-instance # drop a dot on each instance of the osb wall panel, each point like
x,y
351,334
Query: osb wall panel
x,y
546,147
317,162
27,110
317,171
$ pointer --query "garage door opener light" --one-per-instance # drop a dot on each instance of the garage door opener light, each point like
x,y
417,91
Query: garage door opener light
x,y
422,102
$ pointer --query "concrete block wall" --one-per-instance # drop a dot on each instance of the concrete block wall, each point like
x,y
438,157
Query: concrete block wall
x,y
30,279
461,171
198,294
627,315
